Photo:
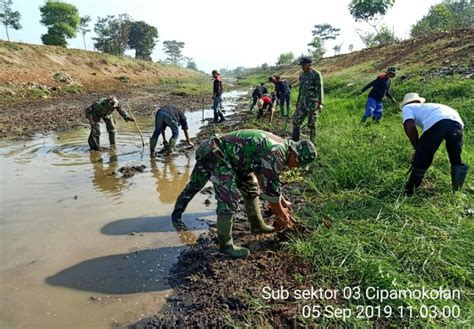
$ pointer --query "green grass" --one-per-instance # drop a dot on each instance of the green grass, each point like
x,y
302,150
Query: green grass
x,y
366,232
11,46
73,88
193,86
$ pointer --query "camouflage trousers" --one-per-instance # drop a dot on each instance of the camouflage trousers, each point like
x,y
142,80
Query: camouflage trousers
x,y
228,184
305,109
94,136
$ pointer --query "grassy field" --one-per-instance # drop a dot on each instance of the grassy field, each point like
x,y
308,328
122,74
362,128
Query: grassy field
x,y
367,234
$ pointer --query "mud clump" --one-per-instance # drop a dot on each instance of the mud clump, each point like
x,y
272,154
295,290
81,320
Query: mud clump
x,y
129,171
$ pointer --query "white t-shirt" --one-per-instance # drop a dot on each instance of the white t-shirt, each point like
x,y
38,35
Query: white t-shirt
x,y
427,114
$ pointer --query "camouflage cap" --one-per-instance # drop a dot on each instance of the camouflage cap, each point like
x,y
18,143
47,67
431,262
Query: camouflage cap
x,y
305,151
305,60
392,69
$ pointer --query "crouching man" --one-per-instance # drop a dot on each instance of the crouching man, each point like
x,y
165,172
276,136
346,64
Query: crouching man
x,y
439,122
233,162
168,116
103,109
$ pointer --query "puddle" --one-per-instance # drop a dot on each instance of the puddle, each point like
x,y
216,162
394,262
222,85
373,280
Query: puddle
x,y
82,246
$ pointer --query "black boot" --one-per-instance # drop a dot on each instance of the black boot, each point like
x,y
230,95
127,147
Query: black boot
x,y
458,176
296,133
94,138
414,181
364,118
153,142
179,208
221,117
112,139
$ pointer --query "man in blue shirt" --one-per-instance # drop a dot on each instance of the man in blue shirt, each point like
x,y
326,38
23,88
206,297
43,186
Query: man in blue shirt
x,y
380,89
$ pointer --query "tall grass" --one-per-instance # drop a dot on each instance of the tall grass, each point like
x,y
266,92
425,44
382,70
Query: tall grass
x,y
366,232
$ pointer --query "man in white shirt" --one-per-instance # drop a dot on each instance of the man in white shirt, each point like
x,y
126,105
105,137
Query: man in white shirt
x,y
438,122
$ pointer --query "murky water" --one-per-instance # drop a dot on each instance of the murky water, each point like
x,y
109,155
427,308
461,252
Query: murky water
x,y
82,247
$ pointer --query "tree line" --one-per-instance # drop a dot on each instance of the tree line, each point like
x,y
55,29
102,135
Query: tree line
x,y
446,16
114,34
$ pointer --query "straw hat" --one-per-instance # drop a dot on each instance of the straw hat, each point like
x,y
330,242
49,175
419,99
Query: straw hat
x,y
411,97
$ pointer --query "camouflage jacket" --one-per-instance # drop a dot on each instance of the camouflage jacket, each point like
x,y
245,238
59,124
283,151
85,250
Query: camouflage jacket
x,y
102,108
256,151
311,87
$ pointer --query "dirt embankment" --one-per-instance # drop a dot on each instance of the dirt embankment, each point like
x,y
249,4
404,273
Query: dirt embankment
x,y
451,51
29,70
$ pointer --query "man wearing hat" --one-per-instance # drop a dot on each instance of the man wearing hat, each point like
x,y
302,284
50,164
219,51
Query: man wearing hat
x,y
380,89
103,109
310,99
438,122
216,97
237,163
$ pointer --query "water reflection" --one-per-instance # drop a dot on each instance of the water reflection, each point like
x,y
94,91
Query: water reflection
x,y
186,236
169,180
104,177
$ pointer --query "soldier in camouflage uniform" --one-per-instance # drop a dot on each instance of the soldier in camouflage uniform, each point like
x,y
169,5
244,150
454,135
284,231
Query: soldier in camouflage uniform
x,y
232,162
102,109
310,99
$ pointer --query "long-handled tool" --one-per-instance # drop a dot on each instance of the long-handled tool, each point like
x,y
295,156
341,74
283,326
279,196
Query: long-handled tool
x,y
136,125
203,110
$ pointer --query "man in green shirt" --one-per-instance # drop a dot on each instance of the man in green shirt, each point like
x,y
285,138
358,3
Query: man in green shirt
x,y
103,109
238,162
310,99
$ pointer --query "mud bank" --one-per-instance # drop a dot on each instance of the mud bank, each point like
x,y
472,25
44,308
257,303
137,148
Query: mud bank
x,y
63,113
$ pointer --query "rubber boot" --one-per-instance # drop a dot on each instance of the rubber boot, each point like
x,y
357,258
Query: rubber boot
x,y
112,139
94,139
296,133
458,176
312,135
165,147
414,180
221,117
224,236
153,142
179,208
171,145
257,225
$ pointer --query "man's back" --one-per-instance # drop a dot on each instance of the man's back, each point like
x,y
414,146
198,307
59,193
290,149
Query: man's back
x,y
427,114
247,149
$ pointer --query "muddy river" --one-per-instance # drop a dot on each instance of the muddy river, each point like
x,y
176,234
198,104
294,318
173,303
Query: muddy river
x,y
81,246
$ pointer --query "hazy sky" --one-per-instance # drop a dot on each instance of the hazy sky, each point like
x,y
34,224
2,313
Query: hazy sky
x,y
223,33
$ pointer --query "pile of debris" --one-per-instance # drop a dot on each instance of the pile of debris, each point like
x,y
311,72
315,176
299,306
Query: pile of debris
x,y
130,171
466,72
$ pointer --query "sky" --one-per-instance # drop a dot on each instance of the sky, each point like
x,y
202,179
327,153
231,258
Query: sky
x,y
228,34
